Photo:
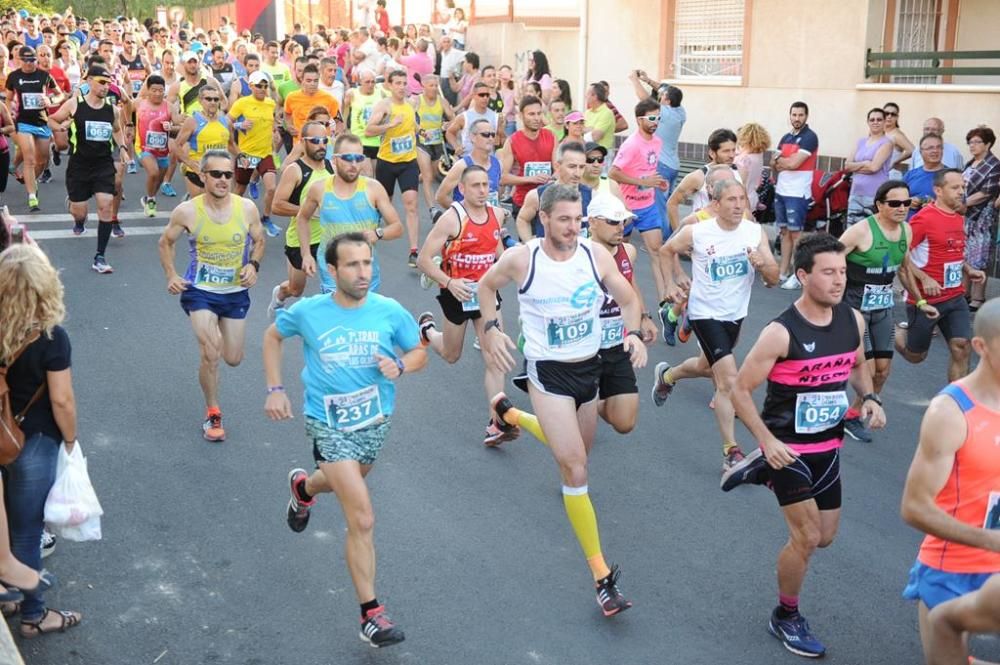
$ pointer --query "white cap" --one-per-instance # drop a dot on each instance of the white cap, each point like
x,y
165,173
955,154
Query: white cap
x,y
607,206
190,55
259,77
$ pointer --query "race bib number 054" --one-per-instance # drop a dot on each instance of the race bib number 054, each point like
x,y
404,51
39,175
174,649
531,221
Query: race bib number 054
x,y
816,412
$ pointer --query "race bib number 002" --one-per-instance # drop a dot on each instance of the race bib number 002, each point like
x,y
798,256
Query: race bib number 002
x,y
348,412
566,331
537,168
817,412
729,267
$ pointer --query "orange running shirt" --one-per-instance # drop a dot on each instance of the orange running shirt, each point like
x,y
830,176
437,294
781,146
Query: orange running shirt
x,y
298,105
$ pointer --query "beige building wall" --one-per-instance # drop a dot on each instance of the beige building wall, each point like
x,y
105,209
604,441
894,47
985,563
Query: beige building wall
x,y
788,58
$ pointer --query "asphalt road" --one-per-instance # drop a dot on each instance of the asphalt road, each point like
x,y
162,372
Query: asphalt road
x,y
477,561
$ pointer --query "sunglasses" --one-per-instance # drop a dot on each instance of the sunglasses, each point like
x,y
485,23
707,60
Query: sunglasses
x,y
595,160
261,86
215,173
130,43
905,203
891,113
211,99
609,222
100,81
483,94
352,157
651,118
487,135
317,140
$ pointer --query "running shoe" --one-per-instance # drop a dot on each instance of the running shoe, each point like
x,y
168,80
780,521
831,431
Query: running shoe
x,y
425,281
661,389
56,156
117,230
272,229
791,284
669,327
378,630
732,459
497,434
45,178
132,168
275,304
506,239
168,190
684,328
795,634
101,266
751,470
475,344
48,544
33,203
609,597
254,189
298,510
212,428
78,228
149,205
425,322
412,261
856,428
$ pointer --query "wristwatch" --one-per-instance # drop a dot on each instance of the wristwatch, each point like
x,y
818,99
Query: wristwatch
x,y
379,232
492,323
400,365
872,397
255,263
636,333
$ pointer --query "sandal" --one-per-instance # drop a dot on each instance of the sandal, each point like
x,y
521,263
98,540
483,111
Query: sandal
x,y
32,629
45,582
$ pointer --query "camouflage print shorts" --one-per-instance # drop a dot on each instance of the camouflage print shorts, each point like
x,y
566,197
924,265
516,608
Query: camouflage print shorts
x,y
333,445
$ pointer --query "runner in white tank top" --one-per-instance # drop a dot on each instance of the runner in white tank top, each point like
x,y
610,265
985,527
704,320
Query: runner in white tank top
x,y
563,279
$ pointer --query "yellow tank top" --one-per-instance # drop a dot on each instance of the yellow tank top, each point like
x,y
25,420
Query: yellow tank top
x,y
431,120
208,135
218,251
399,143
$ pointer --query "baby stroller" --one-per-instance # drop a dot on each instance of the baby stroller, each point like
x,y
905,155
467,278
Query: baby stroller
x,y
828,207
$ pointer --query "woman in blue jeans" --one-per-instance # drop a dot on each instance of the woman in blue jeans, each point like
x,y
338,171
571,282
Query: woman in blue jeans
x,y
37,349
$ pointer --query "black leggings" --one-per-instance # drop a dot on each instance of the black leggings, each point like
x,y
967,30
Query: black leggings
x,y
4,165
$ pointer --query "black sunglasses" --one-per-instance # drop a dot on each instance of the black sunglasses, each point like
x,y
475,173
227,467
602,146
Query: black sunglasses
x,y
211,99
483,94
488,135
595,160
261,86
905,203
608,221
317,140
215,173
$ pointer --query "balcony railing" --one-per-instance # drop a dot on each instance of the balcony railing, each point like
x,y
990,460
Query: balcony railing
x,y
939,63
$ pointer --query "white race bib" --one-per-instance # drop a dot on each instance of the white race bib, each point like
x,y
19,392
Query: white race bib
x,y
215,275
402,145
348,412
245,161
97,130
816,412
32,101
877,296
612,332
537,168
953,274
992,520
156,140
563,331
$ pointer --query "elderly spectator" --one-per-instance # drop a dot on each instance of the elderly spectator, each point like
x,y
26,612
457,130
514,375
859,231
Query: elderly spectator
x,y
920,179
951,156
982,184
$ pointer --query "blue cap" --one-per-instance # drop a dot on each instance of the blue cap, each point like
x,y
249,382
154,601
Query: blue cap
x,y
23,13
197,47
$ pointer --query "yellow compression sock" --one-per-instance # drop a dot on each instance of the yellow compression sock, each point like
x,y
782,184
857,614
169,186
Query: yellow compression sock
x,y
527,421
584,522
728,447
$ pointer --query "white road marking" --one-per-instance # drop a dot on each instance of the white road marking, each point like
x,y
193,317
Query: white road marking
x,y
29,219
91,233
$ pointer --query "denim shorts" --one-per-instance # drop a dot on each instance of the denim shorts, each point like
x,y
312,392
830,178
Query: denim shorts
x,y
333,445
859,207
790,211
935,586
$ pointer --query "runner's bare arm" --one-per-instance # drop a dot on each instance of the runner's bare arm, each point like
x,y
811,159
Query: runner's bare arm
x,y
511,267
65,112
942,433
276,406
690,184
647,327
183,146
526,216
446,228
306,212
675,281
178,223
445,192
380,121
770,347
118,133
290,178
977,612
392,225
763,260
453,134
248,274
624,294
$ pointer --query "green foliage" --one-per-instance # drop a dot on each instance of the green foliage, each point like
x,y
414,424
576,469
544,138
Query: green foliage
x,y
33,6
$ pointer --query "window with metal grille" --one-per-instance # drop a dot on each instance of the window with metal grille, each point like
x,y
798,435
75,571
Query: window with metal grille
x,y
917,27
708,39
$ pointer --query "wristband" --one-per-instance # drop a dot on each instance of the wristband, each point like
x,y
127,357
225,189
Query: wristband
x,y
921,303
275,389
636,333
447,284
400,365
647,315
255,264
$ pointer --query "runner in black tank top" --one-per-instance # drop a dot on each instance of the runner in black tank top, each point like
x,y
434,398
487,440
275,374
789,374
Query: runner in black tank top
x,y
807,355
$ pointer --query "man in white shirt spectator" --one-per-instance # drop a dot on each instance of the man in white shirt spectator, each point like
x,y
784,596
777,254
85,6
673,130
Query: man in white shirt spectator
x,y
452,60
951,157
366,55
794,162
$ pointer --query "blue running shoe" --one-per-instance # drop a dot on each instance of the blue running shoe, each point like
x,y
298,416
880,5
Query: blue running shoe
x,y
272,229
661,389
794,633
254,190
167,189
669,327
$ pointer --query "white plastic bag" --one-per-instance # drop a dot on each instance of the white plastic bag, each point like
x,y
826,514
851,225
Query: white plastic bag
x,y
72,510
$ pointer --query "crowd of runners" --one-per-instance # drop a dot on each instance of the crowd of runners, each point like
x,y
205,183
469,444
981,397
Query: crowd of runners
x,y
315,139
